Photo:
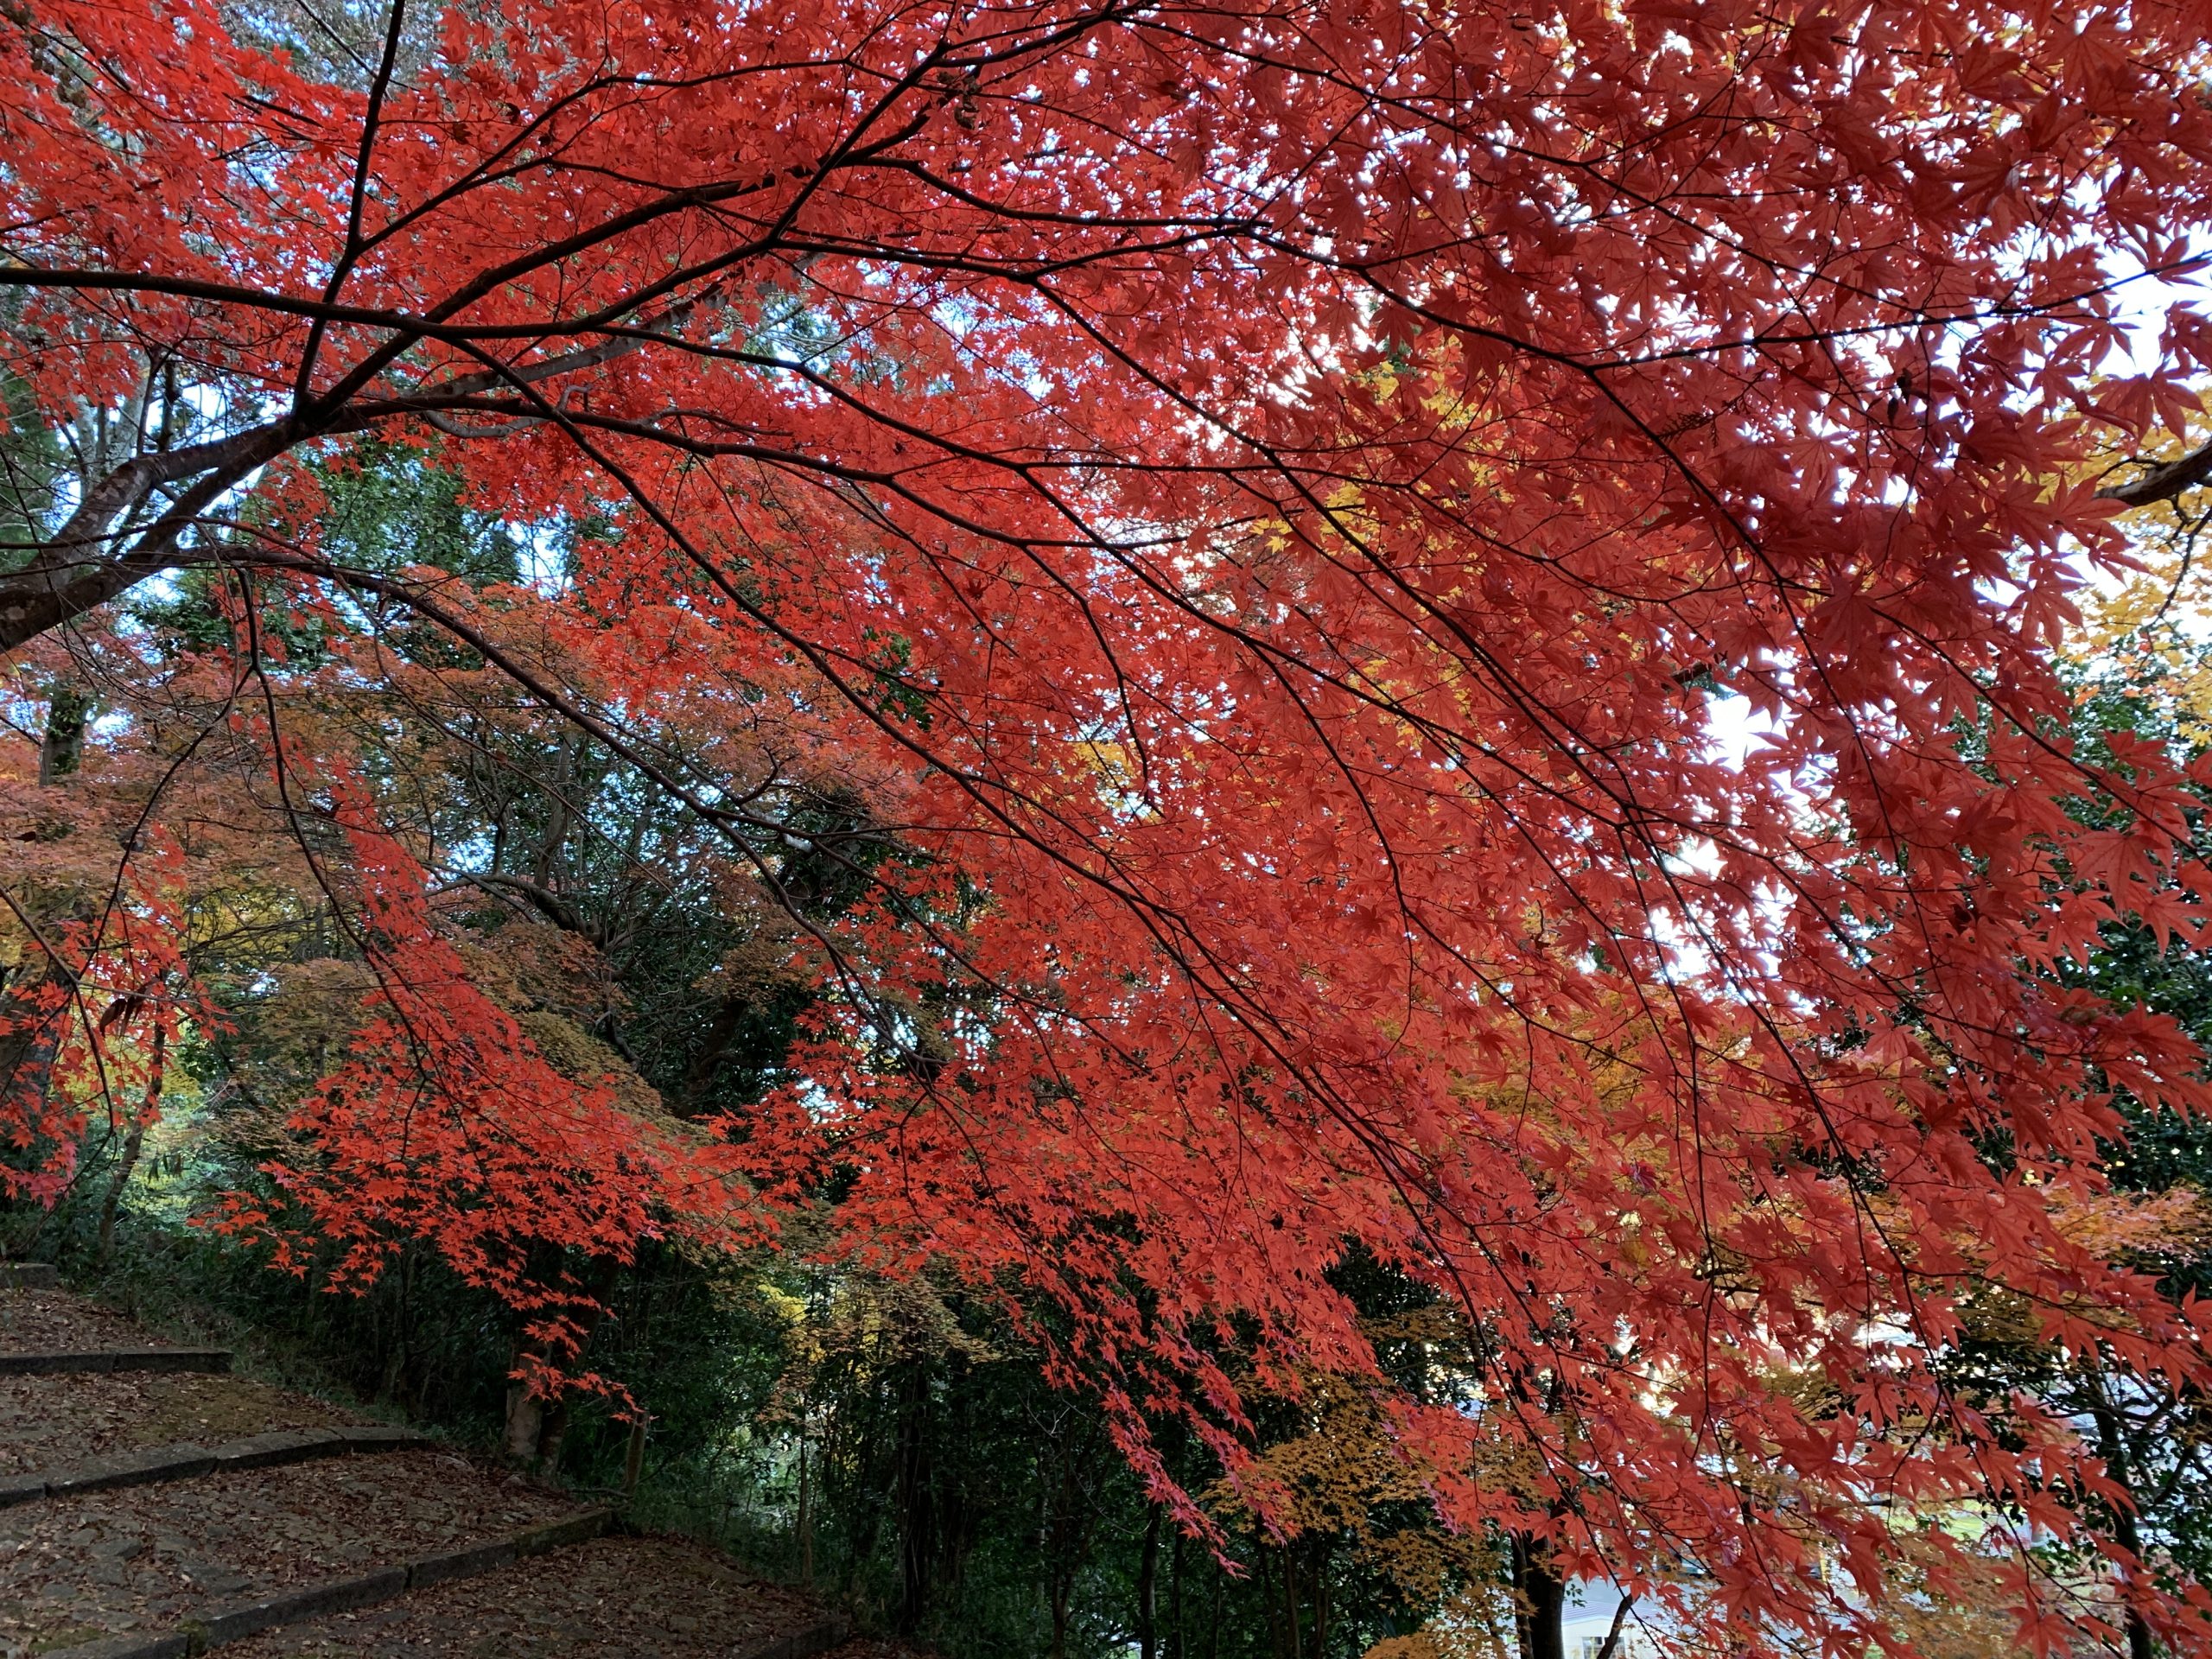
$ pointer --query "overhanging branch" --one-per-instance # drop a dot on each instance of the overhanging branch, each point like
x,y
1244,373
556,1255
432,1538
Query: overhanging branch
x,y
2162,483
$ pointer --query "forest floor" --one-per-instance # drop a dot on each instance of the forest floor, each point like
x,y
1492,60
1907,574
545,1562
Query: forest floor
x,y
153,1506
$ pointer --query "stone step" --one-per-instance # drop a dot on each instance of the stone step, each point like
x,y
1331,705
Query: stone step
x,y
149,1561
235,1621
624,1594
29,1275
155,1464
46,1361
168,1551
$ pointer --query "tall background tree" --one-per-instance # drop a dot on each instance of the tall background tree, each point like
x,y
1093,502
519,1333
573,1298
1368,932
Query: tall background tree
x,y
1136,593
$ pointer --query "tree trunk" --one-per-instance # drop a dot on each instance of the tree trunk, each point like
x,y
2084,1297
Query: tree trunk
x,y
63,746
1540,1600
2112,1446
1319,1594
1148,1588
552,1436
805,1512
1612,1644
1063,1558
1061,1589
536,1429
914,1539
1278,1645
131,1144
526,1420
1175,1645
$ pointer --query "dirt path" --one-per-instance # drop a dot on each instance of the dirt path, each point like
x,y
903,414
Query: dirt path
x,y
264,1549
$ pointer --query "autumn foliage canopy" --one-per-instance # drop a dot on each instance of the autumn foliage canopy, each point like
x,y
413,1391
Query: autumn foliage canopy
x,y
1249,511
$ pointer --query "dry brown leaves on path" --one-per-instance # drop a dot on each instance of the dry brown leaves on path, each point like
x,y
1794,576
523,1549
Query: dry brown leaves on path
x,y
644,1597
149,1558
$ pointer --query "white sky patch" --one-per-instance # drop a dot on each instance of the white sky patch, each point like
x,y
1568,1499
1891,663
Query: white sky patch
x,y
1735,728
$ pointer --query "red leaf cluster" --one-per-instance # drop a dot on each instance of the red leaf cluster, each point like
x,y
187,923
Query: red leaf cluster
x,y
1264,498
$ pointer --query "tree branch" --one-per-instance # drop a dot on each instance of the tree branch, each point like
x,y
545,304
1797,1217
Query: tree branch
x,y
2162,483
88,525
53,590
1611,1643
545,900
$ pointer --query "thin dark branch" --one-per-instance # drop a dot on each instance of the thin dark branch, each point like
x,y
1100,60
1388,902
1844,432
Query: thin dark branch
x,y
2163,482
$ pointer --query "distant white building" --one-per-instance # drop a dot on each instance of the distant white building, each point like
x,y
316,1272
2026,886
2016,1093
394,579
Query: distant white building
x,y
1588,1618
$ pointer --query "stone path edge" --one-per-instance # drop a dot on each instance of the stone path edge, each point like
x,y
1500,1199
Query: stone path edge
x,y
187,1461
238,1620
115,1359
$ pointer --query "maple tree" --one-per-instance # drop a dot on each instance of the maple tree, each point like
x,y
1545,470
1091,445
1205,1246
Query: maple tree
x,y
1250,507
2140,672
